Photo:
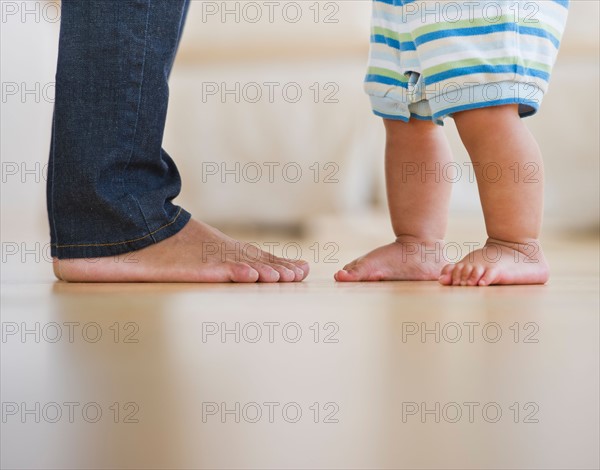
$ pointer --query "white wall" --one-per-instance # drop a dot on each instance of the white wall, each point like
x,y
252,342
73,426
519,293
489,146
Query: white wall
x,y
217,129
28,49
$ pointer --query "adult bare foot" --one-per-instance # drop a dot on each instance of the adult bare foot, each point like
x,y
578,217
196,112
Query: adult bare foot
x,y
499,262
197,253
402,260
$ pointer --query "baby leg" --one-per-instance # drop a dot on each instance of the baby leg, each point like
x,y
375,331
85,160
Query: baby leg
x,y
418,201
510,177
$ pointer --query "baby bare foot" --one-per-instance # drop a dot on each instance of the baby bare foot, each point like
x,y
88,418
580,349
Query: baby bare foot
x,y
404,260
197,253
499,262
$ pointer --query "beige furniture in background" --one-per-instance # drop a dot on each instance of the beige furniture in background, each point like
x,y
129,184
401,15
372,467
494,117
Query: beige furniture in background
x,y
205,130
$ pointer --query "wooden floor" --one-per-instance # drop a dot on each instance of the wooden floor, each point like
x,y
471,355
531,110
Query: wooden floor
x,y
311,375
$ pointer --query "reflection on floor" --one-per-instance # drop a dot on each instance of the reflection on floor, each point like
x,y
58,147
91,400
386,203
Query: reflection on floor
x,y
312,375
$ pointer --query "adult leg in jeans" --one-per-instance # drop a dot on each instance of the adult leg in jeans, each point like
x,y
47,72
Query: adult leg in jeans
x,y
110,183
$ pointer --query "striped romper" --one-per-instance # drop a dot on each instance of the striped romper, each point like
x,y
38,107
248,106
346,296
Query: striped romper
x,y
432,58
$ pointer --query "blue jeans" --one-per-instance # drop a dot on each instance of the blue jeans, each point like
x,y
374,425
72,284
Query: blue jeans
x,y
110,183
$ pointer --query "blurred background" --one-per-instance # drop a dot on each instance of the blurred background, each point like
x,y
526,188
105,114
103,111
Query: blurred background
x,y
271,129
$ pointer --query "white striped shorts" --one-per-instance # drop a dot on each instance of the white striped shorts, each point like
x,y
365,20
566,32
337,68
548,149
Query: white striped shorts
x,y
430,59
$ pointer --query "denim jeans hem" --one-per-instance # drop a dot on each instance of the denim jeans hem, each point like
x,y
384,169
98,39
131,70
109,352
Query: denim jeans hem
x,y
101,250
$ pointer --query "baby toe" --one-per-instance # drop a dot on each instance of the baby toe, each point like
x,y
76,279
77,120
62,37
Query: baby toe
x,y
475,276
446,275
466,273
489,277
457,273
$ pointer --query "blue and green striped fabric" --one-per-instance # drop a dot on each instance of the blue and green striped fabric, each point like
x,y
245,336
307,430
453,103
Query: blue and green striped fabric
x,y
430,59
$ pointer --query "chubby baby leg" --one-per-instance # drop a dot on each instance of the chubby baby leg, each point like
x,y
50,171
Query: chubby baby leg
x,y
511,197
418,202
